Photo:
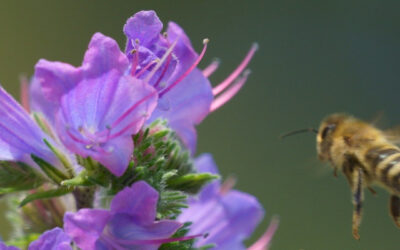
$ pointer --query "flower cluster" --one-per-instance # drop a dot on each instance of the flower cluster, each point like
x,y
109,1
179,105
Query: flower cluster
x,y
117,136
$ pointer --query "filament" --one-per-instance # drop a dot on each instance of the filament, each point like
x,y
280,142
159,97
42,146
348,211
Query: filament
x,y
225,83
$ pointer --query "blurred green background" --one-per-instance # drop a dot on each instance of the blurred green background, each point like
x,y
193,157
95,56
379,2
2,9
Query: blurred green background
x,y
315,58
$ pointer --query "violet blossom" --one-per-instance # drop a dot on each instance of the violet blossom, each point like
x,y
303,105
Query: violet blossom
x,y
95,108
185,93
54,239
227,216
130,222
20,135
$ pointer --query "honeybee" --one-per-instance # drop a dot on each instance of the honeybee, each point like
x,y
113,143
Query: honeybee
x,y
365,155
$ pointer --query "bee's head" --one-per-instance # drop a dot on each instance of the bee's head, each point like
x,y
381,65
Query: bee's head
x,y
327,132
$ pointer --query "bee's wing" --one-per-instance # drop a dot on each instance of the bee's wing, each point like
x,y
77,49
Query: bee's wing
x,y
393,134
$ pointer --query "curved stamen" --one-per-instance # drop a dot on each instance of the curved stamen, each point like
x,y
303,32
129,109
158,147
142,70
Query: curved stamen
x,y
231,92
24,93
225,83
158,65
133,107
146,68
191,68
122,131
73,137
263,242
210,69
227,185
164,70
135,60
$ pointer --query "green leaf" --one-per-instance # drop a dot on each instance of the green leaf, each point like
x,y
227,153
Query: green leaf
x,y
53,173
45,195
190,183
17,176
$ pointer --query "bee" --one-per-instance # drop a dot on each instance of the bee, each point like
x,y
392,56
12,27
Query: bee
x,y
365,155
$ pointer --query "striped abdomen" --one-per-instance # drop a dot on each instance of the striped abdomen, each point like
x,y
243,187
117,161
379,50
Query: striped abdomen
x,y
385,165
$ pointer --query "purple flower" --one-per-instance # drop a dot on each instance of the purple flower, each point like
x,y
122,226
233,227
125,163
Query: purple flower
x,y
95,108
20,136
130,222
5,247
227,216
54,239
169,62
185,94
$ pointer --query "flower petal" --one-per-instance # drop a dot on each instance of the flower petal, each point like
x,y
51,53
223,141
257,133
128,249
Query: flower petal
x,y
145,26
125,227
102,56
19,135
86,226
228,219
145,199
56,78
183,49
54,239
188,104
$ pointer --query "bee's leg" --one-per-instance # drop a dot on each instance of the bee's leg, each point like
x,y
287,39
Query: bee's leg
x,y
394,208
358,196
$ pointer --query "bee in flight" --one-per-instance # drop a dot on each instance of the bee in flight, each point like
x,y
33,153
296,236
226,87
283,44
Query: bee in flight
x,y
365,155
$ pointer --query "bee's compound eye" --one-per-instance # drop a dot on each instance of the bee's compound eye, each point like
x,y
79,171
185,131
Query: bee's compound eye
x,y
328,129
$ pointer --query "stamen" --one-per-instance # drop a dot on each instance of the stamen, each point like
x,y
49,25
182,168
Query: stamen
x,y
211,68
263,242
225,83
194,65
227,185
109,137
231,92
24,92
164,71
73,137
135,60
158,65
133,107
147,67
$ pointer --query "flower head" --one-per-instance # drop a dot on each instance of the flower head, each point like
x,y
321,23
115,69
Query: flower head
x,y
130,222
227,216
185,94
169,63
95,108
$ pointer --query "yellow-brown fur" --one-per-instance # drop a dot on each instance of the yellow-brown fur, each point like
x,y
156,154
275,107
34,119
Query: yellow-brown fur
x,y
365,155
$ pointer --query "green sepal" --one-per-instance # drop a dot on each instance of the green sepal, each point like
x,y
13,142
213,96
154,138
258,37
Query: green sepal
x,y
53,173
60,157
80,180
17,176
190,183
45,195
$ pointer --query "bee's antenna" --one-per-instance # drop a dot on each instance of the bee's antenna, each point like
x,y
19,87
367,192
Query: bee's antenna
x,y
299,131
